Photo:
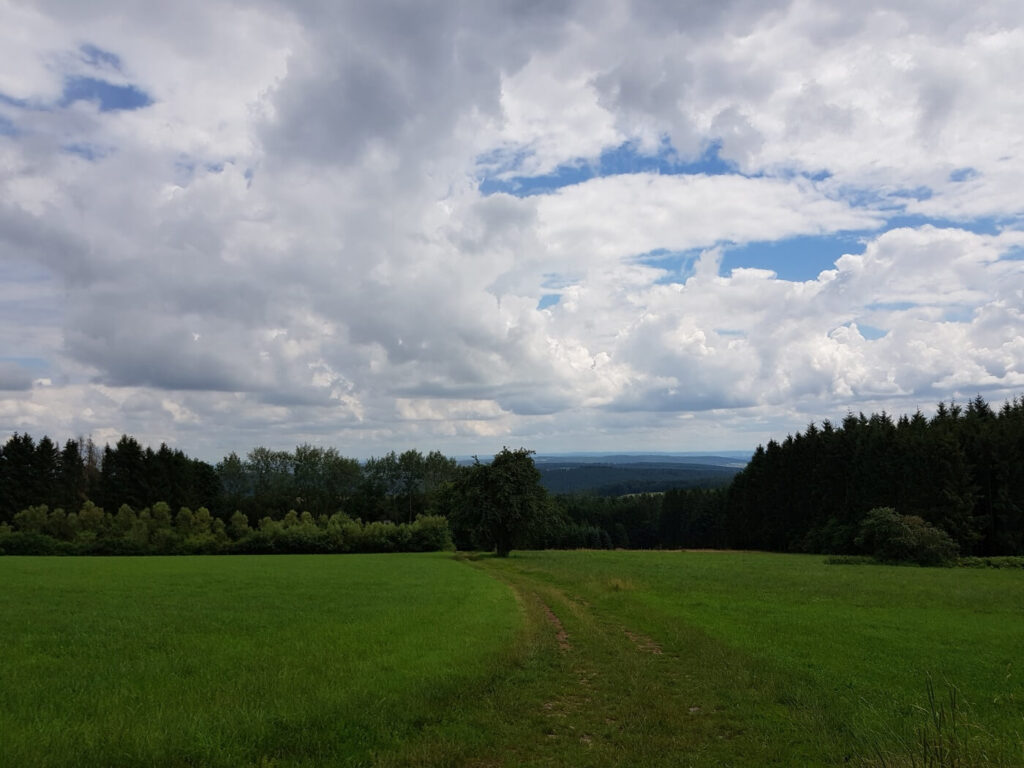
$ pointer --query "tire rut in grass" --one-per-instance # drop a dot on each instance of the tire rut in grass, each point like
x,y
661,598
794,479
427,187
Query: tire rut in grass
x,y
574,700
644,643
560,634
609,691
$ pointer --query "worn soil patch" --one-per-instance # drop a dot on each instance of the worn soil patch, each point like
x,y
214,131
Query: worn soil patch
x,y
560,634
644,643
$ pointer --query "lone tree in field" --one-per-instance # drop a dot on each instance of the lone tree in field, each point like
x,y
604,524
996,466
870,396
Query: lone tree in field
x,y
503,502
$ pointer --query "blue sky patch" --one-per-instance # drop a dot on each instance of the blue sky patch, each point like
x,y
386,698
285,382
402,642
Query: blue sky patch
x,y
958,315
805,257
797,258
979,226
110,97
12,102
891,306
97,57
917,193
963,174
548,300
623,159
871,333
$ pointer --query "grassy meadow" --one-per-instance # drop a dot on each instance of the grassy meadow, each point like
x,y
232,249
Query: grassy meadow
x,y
752,659
235,661
544,658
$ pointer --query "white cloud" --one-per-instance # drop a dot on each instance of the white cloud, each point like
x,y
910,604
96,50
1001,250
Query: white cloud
x,y
619,216
289,243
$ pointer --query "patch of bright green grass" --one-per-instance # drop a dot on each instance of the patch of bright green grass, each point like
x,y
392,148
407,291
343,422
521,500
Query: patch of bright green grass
x,y
236,661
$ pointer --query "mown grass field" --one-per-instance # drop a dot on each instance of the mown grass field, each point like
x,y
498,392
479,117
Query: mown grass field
x,y
235,661
751,659
546,658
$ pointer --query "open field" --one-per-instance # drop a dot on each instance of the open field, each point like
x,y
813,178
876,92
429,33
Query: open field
x,y
766,659
547,658
234,661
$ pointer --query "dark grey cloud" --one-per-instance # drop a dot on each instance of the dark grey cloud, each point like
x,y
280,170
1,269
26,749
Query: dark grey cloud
x,y
702,17
143,351
41,240
400,74
14,377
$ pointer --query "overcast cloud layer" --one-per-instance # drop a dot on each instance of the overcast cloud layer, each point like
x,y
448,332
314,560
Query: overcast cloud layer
x,y
462,225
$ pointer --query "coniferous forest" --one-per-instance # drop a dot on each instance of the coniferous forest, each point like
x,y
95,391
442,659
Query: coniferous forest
x,y
958,475
962,471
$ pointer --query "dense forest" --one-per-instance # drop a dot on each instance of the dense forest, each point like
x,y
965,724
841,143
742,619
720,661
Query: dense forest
x,y
959,473
962,471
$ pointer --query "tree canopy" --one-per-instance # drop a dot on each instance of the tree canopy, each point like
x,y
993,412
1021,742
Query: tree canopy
x,y
503,503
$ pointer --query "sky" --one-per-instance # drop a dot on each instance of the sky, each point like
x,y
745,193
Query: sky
x,y
562,225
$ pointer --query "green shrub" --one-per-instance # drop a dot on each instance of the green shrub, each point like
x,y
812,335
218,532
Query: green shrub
x,y
197,533
31,543
378,536
430,533
32,519
896,538
991,562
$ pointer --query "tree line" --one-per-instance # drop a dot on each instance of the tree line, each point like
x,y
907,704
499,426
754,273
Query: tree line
x,y
960,472
126,499
265,483
840,489
130,499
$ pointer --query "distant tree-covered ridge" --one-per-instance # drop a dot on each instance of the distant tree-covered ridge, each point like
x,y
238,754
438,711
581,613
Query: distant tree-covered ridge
x,y
957,475
132,500
619,479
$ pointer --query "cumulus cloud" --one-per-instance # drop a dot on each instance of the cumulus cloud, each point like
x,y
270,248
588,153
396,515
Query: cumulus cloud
x,y
283,237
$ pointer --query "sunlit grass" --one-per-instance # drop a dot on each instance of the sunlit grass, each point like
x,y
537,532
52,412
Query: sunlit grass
x,y
543,659
788,661
233,661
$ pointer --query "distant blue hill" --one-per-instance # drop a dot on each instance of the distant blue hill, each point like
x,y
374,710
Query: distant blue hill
x,y
735,459
719,458
625,473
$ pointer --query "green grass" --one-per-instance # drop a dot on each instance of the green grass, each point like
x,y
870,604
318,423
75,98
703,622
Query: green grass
x,y
780,659
543,659
234,661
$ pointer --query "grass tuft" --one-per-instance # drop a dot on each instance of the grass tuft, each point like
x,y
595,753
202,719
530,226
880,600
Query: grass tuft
x,y
947,737
620,585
